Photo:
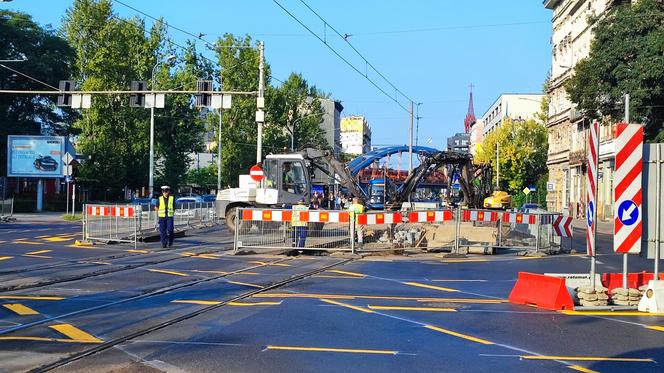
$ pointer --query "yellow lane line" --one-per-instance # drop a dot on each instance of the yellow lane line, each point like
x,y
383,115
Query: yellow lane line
x,y
22,242
326,276
656,327
429,286
582,369
28,297
361,309
203,302
137,251
352,274
329,349
20,309
609,313
38,252
245,284
248,304
399,308
270,264
75,333
5,257
587,358
202,256
42,339
351,296
168,272
459,280
460,335
57,239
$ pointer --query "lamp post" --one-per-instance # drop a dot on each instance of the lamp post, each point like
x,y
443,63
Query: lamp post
x,y
151,180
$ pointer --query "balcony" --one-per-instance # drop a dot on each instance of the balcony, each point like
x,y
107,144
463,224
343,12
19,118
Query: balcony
x,y
578,157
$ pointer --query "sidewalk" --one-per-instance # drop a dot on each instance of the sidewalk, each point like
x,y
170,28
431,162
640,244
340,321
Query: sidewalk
x,y
41,217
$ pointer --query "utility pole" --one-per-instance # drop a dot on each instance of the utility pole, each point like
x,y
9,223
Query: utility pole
x,y
417,124
410,143
221,114
260,102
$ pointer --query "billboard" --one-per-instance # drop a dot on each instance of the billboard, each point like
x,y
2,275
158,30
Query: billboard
x,y
352,124
35,156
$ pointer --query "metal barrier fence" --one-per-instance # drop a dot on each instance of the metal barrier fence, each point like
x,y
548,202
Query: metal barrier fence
x,y
458,231
129,223
6,209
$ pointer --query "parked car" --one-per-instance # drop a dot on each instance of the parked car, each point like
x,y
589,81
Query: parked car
x,y
188,199
45,163
498,200
531,208
209,198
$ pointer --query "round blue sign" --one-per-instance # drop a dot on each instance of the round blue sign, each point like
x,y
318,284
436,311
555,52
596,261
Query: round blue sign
x,y
590,213
628,212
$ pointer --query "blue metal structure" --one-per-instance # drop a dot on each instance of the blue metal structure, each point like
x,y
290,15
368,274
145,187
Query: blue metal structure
x,y
365,160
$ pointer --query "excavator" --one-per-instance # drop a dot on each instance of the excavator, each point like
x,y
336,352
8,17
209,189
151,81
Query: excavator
x,y
287,178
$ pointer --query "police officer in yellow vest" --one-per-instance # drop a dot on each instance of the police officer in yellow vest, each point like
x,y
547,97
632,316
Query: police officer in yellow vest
x,y
299,226
166,210
354,210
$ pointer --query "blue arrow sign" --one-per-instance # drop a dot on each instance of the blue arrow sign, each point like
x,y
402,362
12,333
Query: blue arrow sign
x,y
628,212
591,213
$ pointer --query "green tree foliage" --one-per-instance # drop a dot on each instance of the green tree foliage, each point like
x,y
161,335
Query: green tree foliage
x,y
626,56
205,177
49,59
522,153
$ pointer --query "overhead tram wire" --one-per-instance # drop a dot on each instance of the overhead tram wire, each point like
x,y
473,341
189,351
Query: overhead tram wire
x,y
29,77
345,38
341,57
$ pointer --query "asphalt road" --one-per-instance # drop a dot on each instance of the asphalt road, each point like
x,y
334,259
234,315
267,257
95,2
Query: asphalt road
x,y
198,308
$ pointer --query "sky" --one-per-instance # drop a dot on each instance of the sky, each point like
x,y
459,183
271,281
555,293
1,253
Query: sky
x,y
430,50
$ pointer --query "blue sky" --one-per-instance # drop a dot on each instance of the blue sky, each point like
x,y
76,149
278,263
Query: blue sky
x,y
430,50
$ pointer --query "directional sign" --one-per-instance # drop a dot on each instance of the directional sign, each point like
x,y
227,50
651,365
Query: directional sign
x,y
591,186
562,226
256,173
627,192
590,214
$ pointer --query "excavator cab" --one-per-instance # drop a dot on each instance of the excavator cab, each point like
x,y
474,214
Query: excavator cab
x,y
286,180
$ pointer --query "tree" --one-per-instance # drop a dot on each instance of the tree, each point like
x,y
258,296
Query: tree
x,y
626,56
48,59
522,154
205,177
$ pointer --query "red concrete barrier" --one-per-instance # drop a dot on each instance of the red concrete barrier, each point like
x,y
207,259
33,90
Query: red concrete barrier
x,y
542,291
634,280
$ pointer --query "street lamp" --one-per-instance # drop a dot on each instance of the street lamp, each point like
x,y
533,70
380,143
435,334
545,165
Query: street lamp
x,y
151,181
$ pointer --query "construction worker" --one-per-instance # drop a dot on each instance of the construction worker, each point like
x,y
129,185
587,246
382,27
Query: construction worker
x,y
299,224
165,211
355,209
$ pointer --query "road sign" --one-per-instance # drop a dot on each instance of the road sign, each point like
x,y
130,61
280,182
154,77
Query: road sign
x,y
67,158
562,225
627,192
256,173
593,154
550,187
526,191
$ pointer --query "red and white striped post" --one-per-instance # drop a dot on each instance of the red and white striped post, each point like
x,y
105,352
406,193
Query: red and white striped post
x,y
591,209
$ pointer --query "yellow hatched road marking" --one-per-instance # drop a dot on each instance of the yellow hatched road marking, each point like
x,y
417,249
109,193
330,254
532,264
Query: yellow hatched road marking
x,y
75,333
20,309
244,284
329,349
270,264
137,251
242,304
656,327
460,335
351,296
399,308
361,309
28,297
5,257
582,369
43,339
429,286
608,313
192,301
352,274
168,272
38,252
214,302
57,239
587,358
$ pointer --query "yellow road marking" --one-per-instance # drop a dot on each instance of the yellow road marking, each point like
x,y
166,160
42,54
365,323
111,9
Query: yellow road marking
x,y
245,284
352,274
456,334
224,273
609,313
429,286
22,242
459,280
75,333
582,369
28,297
137,251
361,309
328,349
38,252
399,308
203,256
5,257
57,239
203,302
20,309
44,236
344,296
270,264
43,339
326,276
656,327
168,272
587,358
241,304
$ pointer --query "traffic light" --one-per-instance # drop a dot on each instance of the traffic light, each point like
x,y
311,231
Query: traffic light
x,y
138,99
64,99
204,98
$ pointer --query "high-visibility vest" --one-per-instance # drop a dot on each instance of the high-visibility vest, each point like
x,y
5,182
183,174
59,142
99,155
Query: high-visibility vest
x,y
295,220
163,207
354,210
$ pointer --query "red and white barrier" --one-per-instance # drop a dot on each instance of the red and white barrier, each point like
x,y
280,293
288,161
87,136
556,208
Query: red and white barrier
x,y
125,212
627,192
519,218
379,218
99,210
311,216
430,216
479,215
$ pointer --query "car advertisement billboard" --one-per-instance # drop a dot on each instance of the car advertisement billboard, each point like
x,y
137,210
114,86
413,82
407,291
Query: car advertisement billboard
x,y
35,156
